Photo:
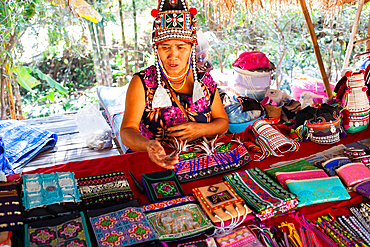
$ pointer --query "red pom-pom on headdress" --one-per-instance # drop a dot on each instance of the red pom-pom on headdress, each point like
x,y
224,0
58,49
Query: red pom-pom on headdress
x,y
348,74
193,11
154,12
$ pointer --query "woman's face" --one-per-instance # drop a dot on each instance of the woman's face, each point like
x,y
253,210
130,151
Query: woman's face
x,y
174,55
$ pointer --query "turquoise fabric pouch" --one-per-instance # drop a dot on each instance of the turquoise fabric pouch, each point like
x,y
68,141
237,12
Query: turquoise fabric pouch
x,y
320,190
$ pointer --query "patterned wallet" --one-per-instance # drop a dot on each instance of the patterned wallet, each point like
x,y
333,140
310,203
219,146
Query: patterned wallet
x,y
363,188
282,177
314,191
104,188
70,230
353,173
162,185
301,165
216,198
332,164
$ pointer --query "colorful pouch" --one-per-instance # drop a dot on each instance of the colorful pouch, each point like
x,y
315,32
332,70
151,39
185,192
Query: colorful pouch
x,y
223,158
162,185
106,188
209,242
265,197
353,173
363,188
121,225
331,165
314,191
70,230
283,176
50,194
10,211
241,237
301,165
219,198
271,141
178,222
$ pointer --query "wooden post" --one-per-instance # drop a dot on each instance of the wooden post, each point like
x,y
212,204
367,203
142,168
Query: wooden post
x,y
353,35
316,49
368,35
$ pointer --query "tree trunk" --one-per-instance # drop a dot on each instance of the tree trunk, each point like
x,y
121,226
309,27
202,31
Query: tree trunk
x,y
10,97
100,55
105,55
136,46
96,55
18,103
3,106
124,45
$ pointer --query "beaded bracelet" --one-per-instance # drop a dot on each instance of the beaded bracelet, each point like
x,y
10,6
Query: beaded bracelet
x,y
356,212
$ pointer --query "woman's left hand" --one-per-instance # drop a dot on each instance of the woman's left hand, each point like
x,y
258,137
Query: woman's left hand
x,y
186,131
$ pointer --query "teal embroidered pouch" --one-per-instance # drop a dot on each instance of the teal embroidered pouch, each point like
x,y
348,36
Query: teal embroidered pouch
x,y
315,191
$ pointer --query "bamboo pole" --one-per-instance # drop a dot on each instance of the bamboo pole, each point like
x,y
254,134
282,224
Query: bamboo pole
x,y
105,55
316,49
2,93
95,55
124,45
136,46
368,36
353,35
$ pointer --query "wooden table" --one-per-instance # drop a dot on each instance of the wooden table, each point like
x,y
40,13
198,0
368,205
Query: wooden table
x,y
70,145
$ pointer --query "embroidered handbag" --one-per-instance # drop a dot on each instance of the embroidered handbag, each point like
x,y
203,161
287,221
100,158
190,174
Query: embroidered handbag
x,y
105,188
219,159
300,165
10,211
69,230
222,203
332,164
241,237
353,173
314,191
173,223
162,185
209,242
323,124
272,141
49,194
121,225
265,197
355,102
282,177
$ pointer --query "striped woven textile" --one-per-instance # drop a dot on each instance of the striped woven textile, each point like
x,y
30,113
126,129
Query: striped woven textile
x,y
265,197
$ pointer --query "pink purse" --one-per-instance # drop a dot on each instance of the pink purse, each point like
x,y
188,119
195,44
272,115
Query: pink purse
x,y
282,177
353,173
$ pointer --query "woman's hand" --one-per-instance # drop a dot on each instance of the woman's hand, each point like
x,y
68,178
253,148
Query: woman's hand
x,y
187,131
158,155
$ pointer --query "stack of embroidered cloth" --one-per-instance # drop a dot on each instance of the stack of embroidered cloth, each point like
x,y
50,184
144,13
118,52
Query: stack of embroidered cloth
x,y
265,197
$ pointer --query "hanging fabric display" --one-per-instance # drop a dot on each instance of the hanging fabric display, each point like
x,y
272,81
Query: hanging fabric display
x,y
222,204
265,197
355,103
10,211
214,158
172,223
105,188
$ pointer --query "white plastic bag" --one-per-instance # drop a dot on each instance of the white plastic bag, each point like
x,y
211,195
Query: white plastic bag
x,y
93,128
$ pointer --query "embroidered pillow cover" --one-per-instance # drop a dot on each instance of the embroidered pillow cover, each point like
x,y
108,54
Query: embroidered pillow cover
x,y
179,222
124,227
10,211
262,194
104,188
162,185
70,230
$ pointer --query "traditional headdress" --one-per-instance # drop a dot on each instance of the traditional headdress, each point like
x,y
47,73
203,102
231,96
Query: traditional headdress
x,y
174,20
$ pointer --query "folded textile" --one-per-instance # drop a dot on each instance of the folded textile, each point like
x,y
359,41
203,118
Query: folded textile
x,y
22,142
5,167
261,193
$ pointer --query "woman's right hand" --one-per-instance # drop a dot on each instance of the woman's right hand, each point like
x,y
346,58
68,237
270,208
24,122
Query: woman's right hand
x,y
158,155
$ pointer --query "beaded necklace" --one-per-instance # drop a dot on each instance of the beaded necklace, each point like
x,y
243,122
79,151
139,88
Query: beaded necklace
x,y
180,80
